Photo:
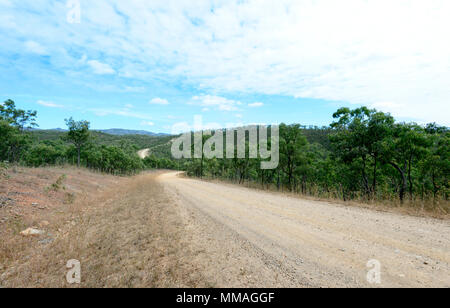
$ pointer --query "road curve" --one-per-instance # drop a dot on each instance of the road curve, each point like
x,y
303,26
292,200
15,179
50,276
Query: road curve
x,y
281,241
143,153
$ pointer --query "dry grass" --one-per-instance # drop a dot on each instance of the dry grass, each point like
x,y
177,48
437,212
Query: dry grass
x,y
124,235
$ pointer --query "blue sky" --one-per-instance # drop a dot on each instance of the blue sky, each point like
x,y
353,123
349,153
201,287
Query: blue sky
x,y
150,64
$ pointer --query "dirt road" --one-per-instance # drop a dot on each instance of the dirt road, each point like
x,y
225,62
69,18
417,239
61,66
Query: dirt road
x,y
251,238
143,153
161,230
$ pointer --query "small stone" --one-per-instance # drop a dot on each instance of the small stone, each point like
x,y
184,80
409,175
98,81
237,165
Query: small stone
x,y
34,204
46,241
32,232
426,263
44,224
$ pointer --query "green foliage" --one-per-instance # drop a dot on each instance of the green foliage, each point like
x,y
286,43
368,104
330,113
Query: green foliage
x,y
363,155
78,135
35,148
69,198
292,152
159,145
58,185
7,139
113,160
18,118
45,154
368,156
14,139
3,170
153,162
357,140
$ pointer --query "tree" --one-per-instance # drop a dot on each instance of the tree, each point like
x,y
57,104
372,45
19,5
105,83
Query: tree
x,y
18,118
78,135
401,149
14,138
435,165
292,145
358,139
7,135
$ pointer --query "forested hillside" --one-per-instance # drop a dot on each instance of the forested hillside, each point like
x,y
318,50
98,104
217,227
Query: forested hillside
x,y
364,155
21,144
139,141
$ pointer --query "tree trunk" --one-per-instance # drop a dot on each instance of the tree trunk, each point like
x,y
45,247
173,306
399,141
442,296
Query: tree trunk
x,y
290,180
278,180
78,156
435,186
410,179
262,179
304,185
404,184
365,179
374,184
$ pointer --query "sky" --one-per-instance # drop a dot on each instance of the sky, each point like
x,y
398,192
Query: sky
x,y
150,64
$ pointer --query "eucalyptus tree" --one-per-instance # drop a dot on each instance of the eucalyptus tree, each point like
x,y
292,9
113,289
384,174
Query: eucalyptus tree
x,y
78,135
358,139
292,150
14,123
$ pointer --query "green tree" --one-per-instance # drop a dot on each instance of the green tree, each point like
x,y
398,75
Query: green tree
x,y
404,146
358,139
78,135
292,146
435,167
18,118
13,122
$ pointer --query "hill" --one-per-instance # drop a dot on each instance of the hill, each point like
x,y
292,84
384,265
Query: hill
x,y
124,132
141,141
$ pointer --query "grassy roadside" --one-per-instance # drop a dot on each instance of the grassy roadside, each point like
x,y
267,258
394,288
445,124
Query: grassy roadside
x,y
127,235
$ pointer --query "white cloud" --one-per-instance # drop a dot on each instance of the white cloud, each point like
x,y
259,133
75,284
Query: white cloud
x,y
100,68
359,51
35,47
391,107
147,123
120,112
179,128
134,89
159,101
49,104
220,103
255,105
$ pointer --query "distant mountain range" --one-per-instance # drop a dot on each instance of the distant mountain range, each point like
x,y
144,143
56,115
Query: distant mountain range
x,y
122,132
119,132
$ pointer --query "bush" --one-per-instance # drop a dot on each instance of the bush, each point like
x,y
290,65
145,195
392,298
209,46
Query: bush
x,y
3,169
55,187
43,155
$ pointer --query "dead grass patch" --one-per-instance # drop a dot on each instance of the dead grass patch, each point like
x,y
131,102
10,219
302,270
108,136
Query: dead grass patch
x,y
128,235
